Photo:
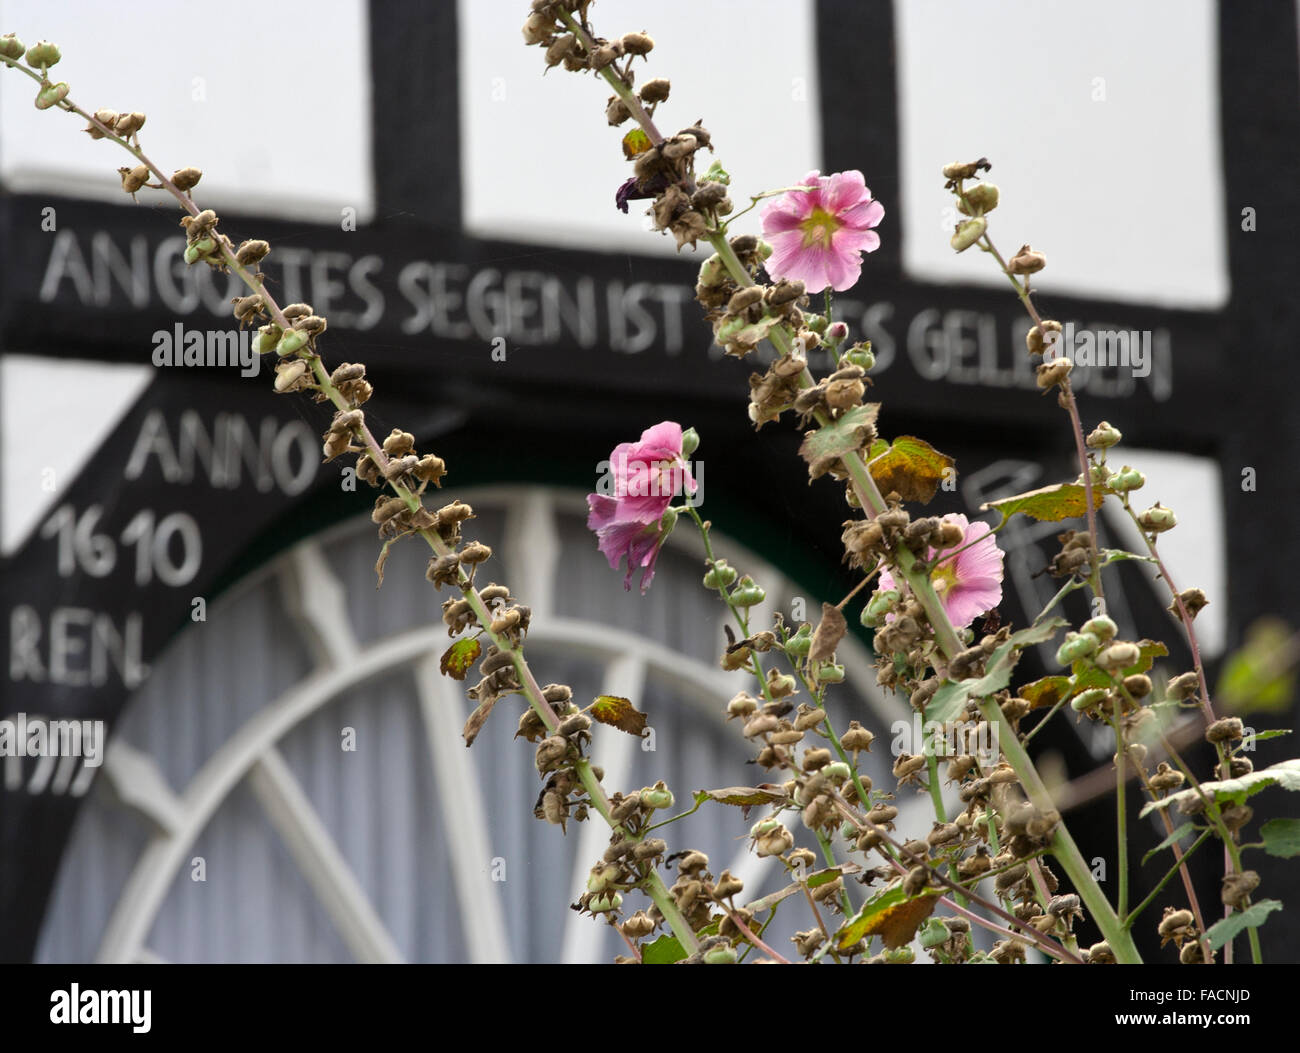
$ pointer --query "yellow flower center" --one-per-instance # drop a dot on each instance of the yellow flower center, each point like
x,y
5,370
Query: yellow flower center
x,y
944,577
819,228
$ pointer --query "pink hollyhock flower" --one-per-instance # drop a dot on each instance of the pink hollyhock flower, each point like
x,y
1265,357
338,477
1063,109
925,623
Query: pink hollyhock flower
x,y
818,236
644,478
969,583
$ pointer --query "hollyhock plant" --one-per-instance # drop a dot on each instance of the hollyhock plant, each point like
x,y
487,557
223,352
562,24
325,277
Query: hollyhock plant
x,y
970,582
633,520
818,236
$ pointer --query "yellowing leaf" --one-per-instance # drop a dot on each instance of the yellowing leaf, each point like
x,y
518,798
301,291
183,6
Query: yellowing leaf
x,y
619,713
911,468
635,142
1049,503
1045,692
892,915
459,657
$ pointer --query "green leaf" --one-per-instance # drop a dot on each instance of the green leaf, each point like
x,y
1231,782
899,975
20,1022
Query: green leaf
x,y
618,712
1281,837
826,445
1260,736
1285,774
459,657
891,914
952,696
1050,504
664,951
1178,834
911,468
1254,677
1252,917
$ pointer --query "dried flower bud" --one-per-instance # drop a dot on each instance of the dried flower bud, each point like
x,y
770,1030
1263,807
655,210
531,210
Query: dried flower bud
x,y
186,179
653,91
1104,436
1026,261
128,123
1049,374
1229,729
1193,599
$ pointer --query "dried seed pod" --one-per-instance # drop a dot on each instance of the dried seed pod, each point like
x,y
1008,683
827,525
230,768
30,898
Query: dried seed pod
x,y
186,179
656,90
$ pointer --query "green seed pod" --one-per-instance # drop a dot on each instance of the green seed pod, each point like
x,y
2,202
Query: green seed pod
x,y
764,826
11,47
205,246
291,342
267,338
720,575
1101,627
605,904
747,594
192,255
1127,479
864,358
43,53
1076,646
1085,700
800,643
830,673
51,96
657,798
968,233
724,954
1157,519
838,771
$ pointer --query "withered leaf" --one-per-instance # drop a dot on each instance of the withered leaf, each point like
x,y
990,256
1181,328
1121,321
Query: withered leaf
x,y
828,634
619,713
743,796
478,718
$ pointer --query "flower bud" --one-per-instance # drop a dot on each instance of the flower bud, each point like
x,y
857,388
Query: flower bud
x,y
1104,436
836,333
968,233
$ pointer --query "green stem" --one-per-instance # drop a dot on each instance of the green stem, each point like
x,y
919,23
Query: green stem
x,y
1178,865
1121,819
